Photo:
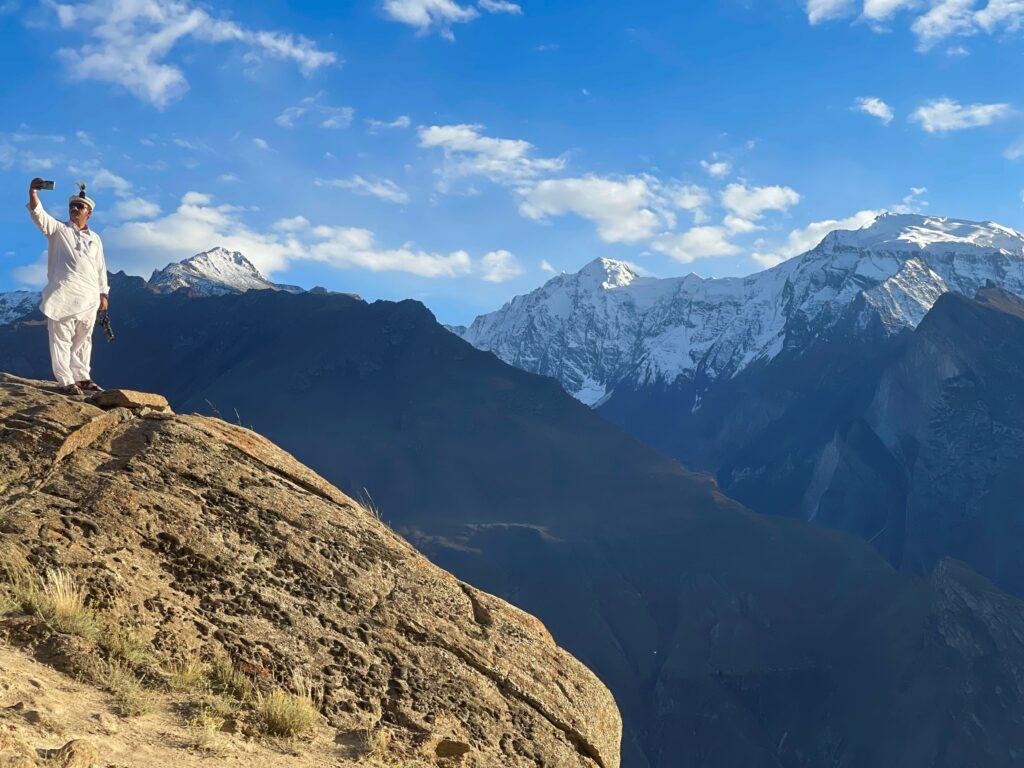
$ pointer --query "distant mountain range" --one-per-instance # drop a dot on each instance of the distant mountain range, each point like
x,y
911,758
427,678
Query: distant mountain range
x,y
868,385
606,327
211,273
729,638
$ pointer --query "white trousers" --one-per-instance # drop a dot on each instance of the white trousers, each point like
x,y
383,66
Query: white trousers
x,y
71,347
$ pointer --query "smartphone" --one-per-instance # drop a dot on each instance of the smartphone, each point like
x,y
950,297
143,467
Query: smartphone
x,y
47,185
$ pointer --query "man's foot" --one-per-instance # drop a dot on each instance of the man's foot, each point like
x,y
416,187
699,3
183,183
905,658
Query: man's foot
x,y
90,386
72,389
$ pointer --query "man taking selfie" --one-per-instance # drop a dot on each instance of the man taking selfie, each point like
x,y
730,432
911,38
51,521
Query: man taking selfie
x,y
76,287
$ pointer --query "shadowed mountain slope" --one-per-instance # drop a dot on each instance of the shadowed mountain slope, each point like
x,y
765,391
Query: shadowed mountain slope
x,y
727,638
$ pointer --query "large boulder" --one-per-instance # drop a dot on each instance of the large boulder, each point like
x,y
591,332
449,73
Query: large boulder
x,y
206,533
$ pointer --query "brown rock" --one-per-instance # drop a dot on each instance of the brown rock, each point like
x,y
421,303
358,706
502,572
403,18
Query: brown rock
x,y
76,754
126,398
451,748
191,522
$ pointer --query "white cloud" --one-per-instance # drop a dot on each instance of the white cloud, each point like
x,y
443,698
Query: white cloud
x,y
500,6
624,211
467,152
944,115
32,275
134,208
426,15
402,121
826,10
383,189
875,107
1008,14
545,266
499,266
933,21
198,224
1016,150
912,203
717,168
228,178
287,118
947,18
104,179
132,40
331,117
689,197
751,202
805,238
881,10
261,144
739,225
696,243
337,117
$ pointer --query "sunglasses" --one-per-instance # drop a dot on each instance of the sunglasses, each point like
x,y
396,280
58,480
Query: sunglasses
x,y
76,206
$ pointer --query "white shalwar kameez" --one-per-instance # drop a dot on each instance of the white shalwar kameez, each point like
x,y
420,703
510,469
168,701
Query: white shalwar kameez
x,y
76,276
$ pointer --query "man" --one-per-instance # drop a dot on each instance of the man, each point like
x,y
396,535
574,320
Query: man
x,y
76,287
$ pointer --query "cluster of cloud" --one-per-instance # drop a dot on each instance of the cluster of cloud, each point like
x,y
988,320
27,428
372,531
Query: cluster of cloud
x,y
947,115
382,189
467,152
327,116
128,206
132,40
637,208
376,126
440,15
199,224
803,239
934,21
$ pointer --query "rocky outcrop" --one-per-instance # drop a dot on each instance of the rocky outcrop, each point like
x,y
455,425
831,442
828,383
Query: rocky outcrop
x,y
207,533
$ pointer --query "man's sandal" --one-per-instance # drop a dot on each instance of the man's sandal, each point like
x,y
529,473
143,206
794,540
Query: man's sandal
x,y
89,386
72,389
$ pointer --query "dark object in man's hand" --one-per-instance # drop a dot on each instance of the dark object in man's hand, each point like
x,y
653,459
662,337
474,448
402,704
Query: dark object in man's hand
x,y
103,318
43,184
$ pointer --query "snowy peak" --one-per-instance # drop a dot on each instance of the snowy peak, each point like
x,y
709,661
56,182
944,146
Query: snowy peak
x,y
914,232
608,273
214,272
17,304
606,326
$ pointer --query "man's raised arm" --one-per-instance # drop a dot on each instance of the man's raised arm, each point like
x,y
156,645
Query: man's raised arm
x,y
46,223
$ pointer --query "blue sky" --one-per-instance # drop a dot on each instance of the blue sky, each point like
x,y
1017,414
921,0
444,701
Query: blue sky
x,y
459,152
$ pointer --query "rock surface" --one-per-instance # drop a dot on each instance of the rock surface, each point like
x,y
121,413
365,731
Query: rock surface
x,y
210,534
126,398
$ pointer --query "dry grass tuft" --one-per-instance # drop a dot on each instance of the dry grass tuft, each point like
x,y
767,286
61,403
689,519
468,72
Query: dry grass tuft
x,y
187,671
289,715
114,676
365,500
204,734
127,645
378,744
58,600
8,604
229,680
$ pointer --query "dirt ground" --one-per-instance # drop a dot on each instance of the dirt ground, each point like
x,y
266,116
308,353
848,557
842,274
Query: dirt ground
x,y
42,709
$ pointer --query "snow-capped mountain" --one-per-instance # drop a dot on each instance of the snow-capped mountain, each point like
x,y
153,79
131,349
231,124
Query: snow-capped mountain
x,y
606,324
17,304
214,272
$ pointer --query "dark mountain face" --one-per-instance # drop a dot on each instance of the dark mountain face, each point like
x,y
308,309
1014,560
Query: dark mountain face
x,y
912,442
728,638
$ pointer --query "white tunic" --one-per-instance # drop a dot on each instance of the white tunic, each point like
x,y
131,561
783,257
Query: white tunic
x,y
76,271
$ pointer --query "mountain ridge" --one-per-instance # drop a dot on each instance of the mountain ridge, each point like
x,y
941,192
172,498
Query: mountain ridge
x,y
593,335
212,273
